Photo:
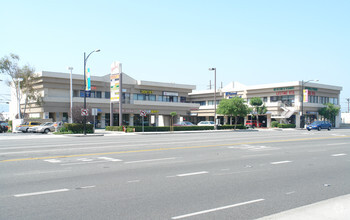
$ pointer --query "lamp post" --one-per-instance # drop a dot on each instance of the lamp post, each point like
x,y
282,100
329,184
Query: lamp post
x,y
19,80
71,96
85,60
214,69
302,121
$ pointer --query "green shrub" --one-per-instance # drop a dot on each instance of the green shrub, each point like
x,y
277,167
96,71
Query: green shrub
x,y
239,126
274,124
286,125
76,128
114,128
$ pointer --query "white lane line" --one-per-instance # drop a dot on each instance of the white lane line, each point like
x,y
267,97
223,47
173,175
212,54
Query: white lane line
x,y
86,187
289,193
191,174
217,209
41,193
37,172
53,161
152,160
338,155
255,155
336,144
85,159
133,181
67,164
109,159
280,162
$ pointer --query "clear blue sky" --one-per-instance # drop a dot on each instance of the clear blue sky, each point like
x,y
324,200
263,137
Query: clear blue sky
x,y
252,42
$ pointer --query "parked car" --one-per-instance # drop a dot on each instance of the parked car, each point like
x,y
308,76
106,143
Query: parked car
x,y
26,125
252,123
183,123
207,123
3,126
43,128
318,125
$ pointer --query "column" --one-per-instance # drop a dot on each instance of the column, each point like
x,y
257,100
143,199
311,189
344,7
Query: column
x,y
297,120
131,119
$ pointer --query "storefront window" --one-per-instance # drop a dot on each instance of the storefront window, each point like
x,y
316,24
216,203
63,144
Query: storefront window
x,y
107,95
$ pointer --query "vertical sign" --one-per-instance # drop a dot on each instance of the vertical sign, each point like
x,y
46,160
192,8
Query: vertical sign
x,y
88,80
306,95
116,69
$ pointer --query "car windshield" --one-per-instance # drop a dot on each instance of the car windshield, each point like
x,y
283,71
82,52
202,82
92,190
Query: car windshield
x,y
316,123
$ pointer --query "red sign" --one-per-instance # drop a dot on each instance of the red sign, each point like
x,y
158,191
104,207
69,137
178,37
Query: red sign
x,y
84,112
285,93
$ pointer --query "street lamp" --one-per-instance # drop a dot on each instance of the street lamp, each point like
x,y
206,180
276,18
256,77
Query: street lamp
x,y
302,121
71,96
214,69
85,60
19,80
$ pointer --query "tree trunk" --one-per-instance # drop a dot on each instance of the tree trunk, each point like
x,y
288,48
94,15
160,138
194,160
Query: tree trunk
x,y
257,120
235,122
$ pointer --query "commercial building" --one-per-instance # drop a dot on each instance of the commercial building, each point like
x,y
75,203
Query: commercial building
x,y
158,100
283,101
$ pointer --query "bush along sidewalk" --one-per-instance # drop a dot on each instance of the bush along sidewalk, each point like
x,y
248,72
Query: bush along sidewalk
x,y
75,128
167,128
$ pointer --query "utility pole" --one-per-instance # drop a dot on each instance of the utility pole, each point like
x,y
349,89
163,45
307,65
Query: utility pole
x,y
348,103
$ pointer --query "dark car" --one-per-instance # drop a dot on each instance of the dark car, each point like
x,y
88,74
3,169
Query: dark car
x,y
318,125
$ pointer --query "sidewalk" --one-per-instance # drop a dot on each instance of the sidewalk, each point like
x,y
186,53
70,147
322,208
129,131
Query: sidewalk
x,y
337,208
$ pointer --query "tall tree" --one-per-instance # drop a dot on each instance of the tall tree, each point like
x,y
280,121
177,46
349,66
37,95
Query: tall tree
x,y
329,112
9,66
234,107
257,103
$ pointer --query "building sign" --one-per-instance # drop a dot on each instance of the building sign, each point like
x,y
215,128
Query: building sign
x,y
116,69
171,93
306,95
230,94
146,91
283,88
312,89
285,93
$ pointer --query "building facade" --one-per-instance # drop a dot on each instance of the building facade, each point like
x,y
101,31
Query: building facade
x,y
157,99
283,100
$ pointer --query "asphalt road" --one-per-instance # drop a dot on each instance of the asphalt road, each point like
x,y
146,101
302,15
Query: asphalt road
x,y
211,175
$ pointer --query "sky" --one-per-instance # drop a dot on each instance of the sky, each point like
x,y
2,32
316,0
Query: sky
x,y
251,42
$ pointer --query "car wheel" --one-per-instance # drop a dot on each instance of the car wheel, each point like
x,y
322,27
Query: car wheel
x,y
309,129
329,128
46,131
319,128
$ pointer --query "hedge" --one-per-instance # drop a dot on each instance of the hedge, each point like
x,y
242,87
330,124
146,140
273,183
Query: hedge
x,y
286,125
76,128
167,128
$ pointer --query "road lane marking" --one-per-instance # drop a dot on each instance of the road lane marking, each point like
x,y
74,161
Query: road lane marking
x,y
217,209
169,148
85,159
151,160
86,187
191,174
133,181
38,172
41,193
281,162
80,163
336,144
109,159
338,155
289,193
53,161
255,155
